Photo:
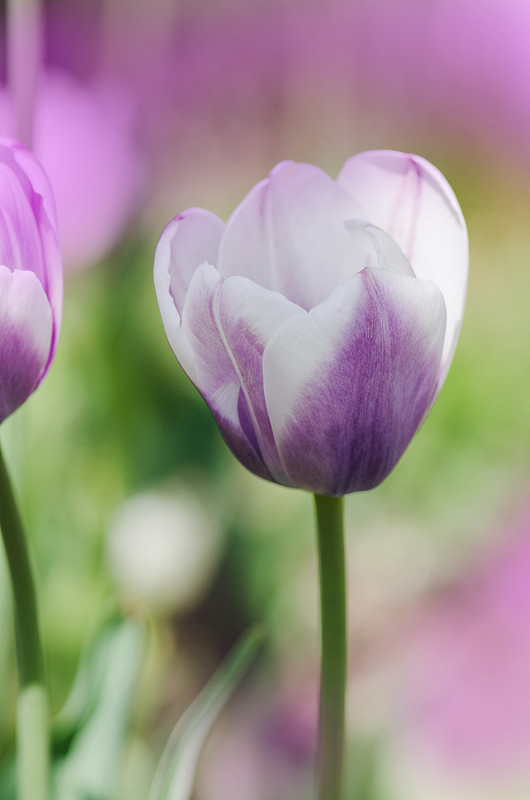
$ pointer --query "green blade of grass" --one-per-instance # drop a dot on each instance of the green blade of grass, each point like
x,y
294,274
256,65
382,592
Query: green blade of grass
x,y
175,774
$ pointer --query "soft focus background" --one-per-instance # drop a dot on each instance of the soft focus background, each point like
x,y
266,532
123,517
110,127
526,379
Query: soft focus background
x,y
133,502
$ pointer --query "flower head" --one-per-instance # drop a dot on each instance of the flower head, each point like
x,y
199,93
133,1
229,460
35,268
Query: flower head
x,y
319,323
30,276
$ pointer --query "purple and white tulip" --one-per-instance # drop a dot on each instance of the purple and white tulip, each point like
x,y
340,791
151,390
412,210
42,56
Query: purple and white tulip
x,y
30,276
319,323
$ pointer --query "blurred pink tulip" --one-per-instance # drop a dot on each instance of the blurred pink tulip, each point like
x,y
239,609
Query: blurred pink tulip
x,y
468,690
83,136
462,65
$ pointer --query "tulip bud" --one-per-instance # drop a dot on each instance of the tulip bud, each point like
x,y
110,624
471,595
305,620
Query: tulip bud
x,y
319,323
30,275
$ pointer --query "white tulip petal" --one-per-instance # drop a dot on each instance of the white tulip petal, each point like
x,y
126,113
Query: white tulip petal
x,y
411,200
248,317
26,329
288,235
215,375
189,240
347,386
212,365
376,249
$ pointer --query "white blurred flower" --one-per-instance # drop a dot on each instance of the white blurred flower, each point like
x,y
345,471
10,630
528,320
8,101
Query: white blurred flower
x,y
162,548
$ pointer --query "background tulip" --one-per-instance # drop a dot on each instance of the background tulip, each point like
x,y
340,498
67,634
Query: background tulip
x,y
84,138
320,322
30,275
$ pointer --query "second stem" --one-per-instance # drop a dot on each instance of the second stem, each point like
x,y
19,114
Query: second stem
x,y
32,705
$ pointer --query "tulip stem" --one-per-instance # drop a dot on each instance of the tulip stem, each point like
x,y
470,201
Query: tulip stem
x,y
32,704
332,571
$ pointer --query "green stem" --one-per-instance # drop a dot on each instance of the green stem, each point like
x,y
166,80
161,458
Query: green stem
x,y
330,539
32,705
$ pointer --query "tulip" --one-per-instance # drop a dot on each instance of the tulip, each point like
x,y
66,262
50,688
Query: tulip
x,y
319,323
84,137
97,193
30,275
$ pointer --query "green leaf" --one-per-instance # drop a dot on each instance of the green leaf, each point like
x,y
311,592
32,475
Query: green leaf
x,y
86,689
175,774
90,770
